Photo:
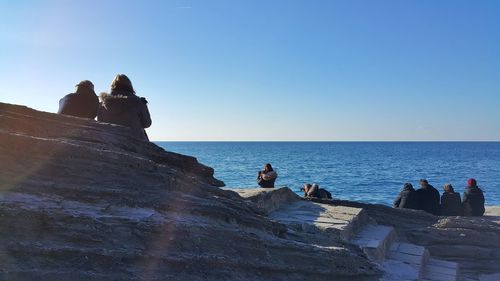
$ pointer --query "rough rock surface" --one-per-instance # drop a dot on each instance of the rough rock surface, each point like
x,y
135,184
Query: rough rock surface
x,y
473,242
82,200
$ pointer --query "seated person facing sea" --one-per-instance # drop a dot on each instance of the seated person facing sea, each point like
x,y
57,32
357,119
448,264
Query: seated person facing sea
x,y
473,199
314,191
267,177
407,198
82,103
428,197
450,202
123,107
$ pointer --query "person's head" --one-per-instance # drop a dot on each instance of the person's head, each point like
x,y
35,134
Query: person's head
x,y
268,168
407,186
306,187
85,87
122,84
448,187
471,182
423,183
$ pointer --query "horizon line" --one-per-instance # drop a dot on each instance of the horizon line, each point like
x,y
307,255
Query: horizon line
x,y
491,141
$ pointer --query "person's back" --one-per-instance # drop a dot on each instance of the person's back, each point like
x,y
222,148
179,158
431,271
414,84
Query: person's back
x,y
407,198
473,199
123,107
428,197
451,205
83,103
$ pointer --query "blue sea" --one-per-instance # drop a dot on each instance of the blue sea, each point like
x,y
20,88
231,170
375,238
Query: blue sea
x,y
372,172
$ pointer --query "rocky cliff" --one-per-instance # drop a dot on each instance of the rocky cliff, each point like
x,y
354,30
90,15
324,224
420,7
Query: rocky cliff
x,y
82,200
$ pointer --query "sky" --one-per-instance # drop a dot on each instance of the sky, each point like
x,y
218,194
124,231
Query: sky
x,y
275,70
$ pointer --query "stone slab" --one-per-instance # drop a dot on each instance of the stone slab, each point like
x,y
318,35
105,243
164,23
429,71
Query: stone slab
x,y
338,220
375,240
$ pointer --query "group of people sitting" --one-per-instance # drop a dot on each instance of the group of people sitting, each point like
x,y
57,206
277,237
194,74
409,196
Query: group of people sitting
x,y
449,204
426,198
120,106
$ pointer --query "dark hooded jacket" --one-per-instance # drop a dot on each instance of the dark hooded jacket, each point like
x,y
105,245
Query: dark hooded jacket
x,y
473,201
451,204
125,109
407,199
429,199
84,104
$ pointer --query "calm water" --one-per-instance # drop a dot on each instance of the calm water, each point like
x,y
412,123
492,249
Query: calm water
x,y
365,171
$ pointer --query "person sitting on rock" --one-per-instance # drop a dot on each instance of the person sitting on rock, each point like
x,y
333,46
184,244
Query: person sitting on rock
x,y
451,205
121,106
82,103
407,198
428,197
267,177
473,199
314,191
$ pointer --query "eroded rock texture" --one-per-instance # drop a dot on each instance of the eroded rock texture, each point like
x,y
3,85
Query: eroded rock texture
x,y
473,242
81,200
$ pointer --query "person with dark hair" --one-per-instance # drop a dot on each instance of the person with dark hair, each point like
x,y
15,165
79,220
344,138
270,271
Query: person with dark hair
x,y
123,107
82,103
450,202
428,197
267,177
314,191
310,190
473,199
407,198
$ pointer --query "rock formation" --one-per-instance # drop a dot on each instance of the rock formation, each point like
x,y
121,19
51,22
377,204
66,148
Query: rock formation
x,y
82,200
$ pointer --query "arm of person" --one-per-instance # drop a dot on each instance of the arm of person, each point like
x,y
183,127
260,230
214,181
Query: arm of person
x,y
397,201
144,114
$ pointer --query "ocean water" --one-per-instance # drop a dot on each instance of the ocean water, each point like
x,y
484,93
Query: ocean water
x,y
372,172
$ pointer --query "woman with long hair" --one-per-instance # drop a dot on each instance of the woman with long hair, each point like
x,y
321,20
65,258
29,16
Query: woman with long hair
x,y
267,177
123,107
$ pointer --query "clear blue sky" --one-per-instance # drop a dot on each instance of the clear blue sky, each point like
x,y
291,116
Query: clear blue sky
x,y
268,70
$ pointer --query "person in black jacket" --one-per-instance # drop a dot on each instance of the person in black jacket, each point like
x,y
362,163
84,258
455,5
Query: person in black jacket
x,y
407,198
123,107
473,199
267,177
82,103
450,202
428,197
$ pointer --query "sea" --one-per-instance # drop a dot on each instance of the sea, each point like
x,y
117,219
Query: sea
x,y
372,172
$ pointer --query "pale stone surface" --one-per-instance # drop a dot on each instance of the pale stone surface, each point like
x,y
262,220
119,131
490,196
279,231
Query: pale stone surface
x,y
338,220
375,240
268,199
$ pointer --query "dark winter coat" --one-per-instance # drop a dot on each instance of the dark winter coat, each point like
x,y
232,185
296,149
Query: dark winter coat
x,y
407,199
429,199
83,105
473,201
267,180
126,110
451,204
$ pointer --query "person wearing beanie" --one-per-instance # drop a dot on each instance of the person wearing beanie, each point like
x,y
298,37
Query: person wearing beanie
x,y
428,197
451,205
82,103
407,198
473,199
